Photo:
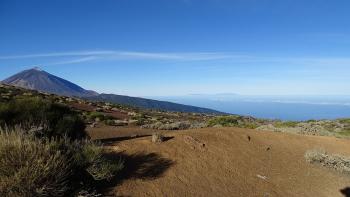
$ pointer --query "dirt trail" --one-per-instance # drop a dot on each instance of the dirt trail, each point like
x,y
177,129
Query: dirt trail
x,y
229,162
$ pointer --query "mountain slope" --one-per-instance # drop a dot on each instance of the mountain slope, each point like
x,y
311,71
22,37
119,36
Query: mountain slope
x,y
37,79
151,104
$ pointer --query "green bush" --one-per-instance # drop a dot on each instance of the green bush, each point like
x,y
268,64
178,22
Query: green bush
x,y
56,120
109,122
251,125
283,124
234,121
71,126
141,119
107,119
345,121
345,133
94,115
225,121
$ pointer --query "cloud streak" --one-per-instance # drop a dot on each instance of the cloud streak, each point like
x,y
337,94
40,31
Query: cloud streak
x,y
108,54
74,61
234,58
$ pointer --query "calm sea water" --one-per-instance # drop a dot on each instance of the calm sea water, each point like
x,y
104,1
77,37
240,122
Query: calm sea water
x,y
284,111
276,108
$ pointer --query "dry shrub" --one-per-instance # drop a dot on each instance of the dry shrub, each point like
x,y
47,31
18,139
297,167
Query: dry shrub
x,y
99,167
183,125
338,162
30,167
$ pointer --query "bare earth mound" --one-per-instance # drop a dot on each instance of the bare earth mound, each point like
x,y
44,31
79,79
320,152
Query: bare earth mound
x,y
228,162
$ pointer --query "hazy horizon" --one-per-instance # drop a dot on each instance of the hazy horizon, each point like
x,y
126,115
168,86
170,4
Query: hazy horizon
x,y
222,94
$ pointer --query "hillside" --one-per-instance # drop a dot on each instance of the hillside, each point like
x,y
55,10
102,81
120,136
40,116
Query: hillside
x,y
151,104
210,156
270,164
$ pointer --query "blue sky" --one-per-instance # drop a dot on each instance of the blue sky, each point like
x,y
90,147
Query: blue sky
x,y
179,47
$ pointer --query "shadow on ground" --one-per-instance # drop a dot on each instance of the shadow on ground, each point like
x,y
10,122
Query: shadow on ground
x,y
109,141
145,166
346,192
137,166
119,139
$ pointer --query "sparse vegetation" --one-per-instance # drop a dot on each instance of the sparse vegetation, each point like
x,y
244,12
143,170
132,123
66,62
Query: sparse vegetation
x,y
44,150
182,125
66,163
345,121
96,164
225,121
319,156
99,116
55,120
233,121
283,124
30,166
345,133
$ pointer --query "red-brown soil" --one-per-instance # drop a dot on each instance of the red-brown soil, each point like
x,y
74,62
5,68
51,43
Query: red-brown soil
x,y
224,162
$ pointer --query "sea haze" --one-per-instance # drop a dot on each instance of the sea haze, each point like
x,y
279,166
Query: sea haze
x,y
271,107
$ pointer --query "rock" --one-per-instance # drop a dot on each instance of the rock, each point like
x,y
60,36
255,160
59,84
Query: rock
x,y
121,122
157,138
132,122
69,99
93,125
106,107
261,177
115,109
132,114
98,109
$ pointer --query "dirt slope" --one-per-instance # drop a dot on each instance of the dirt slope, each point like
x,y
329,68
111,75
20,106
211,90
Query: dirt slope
x,y
270,164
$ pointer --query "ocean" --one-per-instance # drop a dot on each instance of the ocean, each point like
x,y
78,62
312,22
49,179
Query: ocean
x,y
297,108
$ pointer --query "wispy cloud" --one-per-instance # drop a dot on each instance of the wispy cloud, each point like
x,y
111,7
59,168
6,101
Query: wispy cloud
x,y
74,61
59,54
107,54
93,55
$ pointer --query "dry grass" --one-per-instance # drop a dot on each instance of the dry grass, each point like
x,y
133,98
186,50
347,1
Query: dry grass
x,y
182,125
30,167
